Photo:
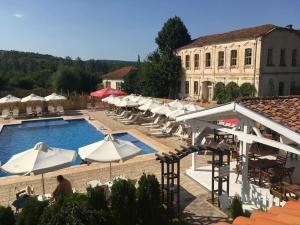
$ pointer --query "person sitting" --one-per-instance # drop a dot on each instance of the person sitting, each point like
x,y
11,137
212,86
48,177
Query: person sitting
x,y
63,188
22,197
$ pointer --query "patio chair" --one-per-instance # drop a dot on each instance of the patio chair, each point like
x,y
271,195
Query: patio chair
x,y
126,119
272,178
51,109
38,109
60,109
155,122
165,126
163,133
179,131
5,113
288,172
133,120
29,110
15,112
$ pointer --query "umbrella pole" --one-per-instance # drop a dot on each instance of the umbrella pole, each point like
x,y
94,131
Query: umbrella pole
x,y
43,184
110,171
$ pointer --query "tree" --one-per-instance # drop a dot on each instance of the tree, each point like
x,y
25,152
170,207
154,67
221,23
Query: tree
x,y
130,82
232,91
7,216
173,35
247,90
66,78
219,93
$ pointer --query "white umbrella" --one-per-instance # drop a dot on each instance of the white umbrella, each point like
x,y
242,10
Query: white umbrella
x,y
108,150
39,160
126,103
32,98
9,99
149,105
162,109
114,100
55,97
176,104
193,107
176,113
136,98
107,99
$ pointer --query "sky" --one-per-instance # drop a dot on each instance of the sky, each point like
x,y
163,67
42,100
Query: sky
x,y
122,29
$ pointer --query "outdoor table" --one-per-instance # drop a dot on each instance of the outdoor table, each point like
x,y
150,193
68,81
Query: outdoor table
x,y
262,164
45,197
292,189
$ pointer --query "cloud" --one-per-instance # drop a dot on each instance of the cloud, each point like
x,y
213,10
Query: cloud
x,y
18,15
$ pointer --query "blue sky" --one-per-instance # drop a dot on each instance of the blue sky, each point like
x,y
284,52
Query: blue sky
x,y
122,29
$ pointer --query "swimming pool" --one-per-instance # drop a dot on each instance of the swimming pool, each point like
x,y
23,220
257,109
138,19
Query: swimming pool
x,y
67,134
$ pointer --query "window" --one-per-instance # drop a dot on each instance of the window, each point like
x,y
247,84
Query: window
x,y
207,59
108,84
187,87
270,57
233,57
281,89
294,57
282,57
196,61
196,87
221,58
293,88
118,85
248,56
187,61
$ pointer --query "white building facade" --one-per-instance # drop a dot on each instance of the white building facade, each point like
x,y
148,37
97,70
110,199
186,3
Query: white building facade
x,y
266,56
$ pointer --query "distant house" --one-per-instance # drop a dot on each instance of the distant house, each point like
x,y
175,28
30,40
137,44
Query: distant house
x,y
115,78
266,56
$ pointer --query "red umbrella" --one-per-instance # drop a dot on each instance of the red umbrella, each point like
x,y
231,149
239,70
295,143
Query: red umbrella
x,y
105,92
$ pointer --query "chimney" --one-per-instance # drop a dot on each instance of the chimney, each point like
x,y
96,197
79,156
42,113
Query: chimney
x,y
289,26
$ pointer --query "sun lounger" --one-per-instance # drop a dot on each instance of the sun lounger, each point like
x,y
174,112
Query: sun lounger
x,y
122,115
29,110
179,131
126,119
155,122
163,133
38,109
133,121
165,126
5,113
60,109
51,109
15,112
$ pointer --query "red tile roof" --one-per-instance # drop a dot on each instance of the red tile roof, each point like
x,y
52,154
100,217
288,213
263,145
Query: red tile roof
x,y
120,73
245,33
284,110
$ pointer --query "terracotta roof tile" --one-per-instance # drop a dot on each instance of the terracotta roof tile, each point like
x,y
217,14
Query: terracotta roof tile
x,y
120,73
284,110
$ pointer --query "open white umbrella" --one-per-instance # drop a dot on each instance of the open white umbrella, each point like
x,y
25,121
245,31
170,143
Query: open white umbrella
x,y
126,103
176,113
32,98
162,109
149,105
55,97
39,160
109,98
9,99
109,150
176,104
193,107
114,100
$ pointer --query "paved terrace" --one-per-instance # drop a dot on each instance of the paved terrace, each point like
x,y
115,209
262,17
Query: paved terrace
x,y
195,207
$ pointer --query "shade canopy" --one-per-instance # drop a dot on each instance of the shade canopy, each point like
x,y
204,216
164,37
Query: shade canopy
x,y
193,107
176,104
9,99
163,109
114,100
33,98
109,98
178,112
105,92
55,97
108,150
126,103
39,159
151,104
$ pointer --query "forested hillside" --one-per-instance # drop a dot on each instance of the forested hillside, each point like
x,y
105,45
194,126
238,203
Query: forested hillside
x,y
23,70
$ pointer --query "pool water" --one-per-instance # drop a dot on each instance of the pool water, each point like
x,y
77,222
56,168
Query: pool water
x,y
67,134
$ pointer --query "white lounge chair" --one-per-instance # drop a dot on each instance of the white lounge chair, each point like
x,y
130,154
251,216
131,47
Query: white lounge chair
x,y
15,112
133,121
165,126
60,109
51,109
155,122
29,110
38,109
5,113
126,119
163,133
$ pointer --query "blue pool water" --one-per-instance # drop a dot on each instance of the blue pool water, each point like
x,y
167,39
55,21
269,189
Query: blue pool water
x,y
67,134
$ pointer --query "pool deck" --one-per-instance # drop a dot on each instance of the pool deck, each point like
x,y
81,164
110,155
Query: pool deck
x,y
193,198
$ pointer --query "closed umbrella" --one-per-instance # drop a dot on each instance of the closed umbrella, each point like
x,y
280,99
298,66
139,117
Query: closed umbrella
x,y
163,109
33,98
55,97
193,107
149,106
39,160
176,113
176,104
109,150
9,99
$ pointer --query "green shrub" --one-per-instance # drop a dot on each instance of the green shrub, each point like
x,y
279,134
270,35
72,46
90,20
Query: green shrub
x,y
236,208
31,212
219,93
123,202
7,216
232,91
96,198
247,90
149,206
73,209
